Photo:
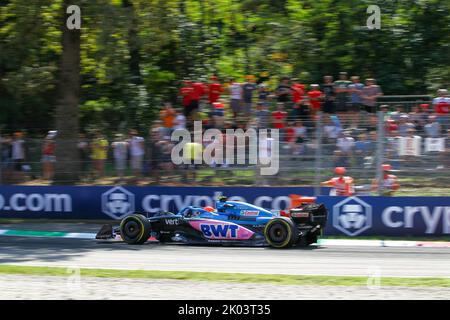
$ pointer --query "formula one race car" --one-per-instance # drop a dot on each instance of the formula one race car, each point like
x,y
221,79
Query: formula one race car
x,y
231,222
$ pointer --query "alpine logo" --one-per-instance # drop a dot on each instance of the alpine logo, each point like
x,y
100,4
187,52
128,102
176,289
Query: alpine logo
x,y
219,231
352,216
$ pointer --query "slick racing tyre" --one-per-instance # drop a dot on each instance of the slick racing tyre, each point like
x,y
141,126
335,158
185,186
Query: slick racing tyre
x,y
135,229
281,233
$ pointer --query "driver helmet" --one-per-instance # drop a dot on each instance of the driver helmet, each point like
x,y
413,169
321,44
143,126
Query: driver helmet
x,y
340,170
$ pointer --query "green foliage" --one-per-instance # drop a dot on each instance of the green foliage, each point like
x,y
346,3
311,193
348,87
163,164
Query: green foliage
x,y
135,52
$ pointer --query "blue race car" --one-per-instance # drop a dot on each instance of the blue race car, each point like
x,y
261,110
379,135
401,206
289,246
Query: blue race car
x,y
230,222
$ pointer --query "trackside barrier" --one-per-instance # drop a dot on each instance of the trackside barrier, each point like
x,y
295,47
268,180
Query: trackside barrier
x,y
353,216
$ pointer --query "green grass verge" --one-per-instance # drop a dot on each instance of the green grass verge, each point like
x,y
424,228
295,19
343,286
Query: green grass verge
x,y
228,277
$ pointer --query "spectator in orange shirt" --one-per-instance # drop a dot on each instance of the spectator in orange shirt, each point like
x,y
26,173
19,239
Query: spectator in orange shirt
x,y
167,116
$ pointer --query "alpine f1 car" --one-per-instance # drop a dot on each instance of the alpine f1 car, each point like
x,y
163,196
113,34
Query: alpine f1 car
x,y
231,222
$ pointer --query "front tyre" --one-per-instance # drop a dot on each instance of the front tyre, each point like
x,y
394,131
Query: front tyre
x,y
281,233
135,229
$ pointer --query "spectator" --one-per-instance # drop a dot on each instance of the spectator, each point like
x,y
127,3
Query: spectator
x,y
179,121
279,117
263,94
345,144
247,91
432,128
332,128
363,148
165,148
214,90
48,158
236,93
137,151
99,153
370,94
298,93
18,151
342,91
404,125
158,127
154,153
186,94
167,116
120,150
355,89
315,98
6,153
329,95
300,135
218,114
399,111
262,116
331,133
196,95
83,150
417,117
441,106
284,91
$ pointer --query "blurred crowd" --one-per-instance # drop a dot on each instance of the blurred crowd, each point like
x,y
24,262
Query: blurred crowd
x,y
345,109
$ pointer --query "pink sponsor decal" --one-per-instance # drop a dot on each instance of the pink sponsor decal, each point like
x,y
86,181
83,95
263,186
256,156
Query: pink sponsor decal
x,y
221,230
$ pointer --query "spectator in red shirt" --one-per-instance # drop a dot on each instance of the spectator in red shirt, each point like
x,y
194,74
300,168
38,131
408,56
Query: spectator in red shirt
x,y
301,108
279,118
315,98
186,93
442,102
298,91
198,91
214,90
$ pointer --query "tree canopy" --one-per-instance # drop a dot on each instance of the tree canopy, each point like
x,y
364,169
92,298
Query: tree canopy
x,y
134,53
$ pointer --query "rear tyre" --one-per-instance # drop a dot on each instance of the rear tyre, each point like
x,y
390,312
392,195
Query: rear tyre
x,y
281,233
135,229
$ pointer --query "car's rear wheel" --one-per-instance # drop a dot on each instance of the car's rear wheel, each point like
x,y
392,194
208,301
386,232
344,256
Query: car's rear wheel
x,y
281,233
135,229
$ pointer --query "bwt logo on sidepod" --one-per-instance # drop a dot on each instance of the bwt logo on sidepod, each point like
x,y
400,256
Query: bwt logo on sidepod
x,y
352,216
219,231
117,202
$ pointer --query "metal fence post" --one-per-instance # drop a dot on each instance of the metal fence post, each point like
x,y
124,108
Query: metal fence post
x,y
318,160
380,152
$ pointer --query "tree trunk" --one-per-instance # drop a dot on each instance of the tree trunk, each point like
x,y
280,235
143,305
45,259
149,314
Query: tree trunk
x,y
67,122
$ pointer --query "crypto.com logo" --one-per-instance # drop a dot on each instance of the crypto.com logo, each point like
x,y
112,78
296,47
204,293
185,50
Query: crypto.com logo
x,y
352,216
117,202
253,147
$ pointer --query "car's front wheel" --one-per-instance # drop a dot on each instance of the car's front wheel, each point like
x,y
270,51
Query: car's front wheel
x,y
135,229
281,233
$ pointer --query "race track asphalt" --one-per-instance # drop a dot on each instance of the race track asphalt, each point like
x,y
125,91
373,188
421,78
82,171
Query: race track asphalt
x,y
357,261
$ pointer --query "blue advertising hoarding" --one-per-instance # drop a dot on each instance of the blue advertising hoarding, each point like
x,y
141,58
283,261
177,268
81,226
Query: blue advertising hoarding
x,y
387,216
352,216
115,202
